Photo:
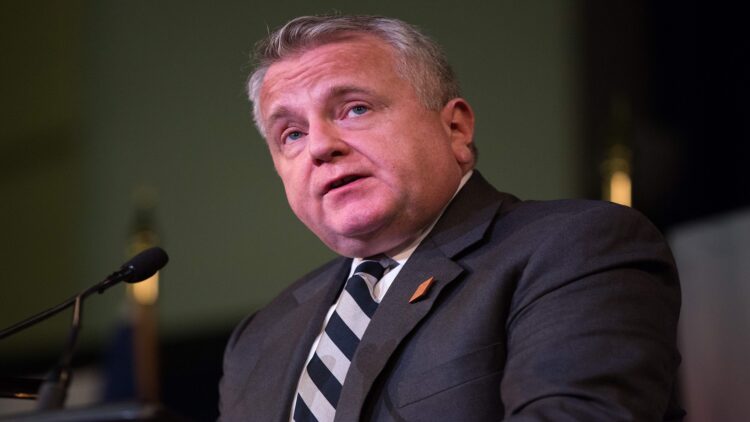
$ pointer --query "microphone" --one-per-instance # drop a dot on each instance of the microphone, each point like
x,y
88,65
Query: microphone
x,y
53,389
144,265
138,268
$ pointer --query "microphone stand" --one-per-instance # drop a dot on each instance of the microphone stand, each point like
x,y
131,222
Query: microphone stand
x,y
52,391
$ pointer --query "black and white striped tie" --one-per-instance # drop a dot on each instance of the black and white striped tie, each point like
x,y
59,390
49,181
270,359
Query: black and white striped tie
x,y
321,381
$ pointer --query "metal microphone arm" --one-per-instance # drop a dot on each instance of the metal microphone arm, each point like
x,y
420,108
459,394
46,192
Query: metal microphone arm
x,y
100,287
53,389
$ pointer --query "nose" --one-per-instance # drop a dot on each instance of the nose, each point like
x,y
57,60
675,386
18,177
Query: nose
x,y
325,142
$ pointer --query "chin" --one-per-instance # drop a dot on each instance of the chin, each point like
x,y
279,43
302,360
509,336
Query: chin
x,y
345,246
363,225
352,246
356,241
358,235
363,246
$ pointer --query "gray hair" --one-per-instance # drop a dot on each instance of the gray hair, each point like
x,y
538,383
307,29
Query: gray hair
x,y
420,60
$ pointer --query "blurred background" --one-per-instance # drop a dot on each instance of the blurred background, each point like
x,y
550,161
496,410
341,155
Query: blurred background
x,y
125,124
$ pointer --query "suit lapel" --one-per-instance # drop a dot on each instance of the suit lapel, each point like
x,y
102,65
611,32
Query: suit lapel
x,y
285,349
463,224
393,321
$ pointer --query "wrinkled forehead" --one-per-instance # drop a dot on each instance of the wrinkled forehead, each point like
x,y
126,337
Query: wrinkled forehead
x,y
345,45
300,48
352,59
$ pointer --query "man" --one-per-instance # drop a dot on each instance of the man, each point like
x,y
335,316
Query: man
x,y
478,306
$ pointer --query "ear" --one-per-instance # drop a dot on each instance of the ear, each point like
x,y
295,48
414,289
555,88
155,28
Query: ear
x,y
458,121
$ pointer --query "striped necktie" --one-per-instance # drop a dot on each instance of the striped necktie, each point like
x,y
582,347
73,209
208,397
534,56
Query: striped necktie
x,y
322,380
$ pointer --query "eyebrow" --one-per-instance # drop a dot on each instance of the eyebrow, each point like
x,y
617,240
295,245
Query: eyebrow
x,y
334,92
279,114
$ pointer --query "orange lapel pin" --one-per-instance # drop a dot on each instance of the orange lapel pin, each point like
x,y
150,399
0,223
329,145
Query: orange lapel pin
x,y
422,290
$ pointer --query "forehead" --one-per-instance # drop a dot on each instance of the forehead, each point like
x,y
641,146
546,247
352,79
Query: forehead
x,y
354,61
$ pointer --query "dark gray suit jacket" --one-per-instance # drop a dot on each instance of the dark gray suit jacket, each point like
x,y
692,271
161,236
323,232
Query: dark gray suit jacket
x,y
543,311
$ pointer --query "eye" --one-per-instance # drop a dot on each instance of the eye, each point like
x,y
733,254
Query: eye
x,y
292,136
357,110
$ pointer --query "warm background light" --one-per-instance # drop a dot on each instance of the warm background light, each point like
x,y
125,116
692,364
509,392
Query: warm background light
x,y
620,189
147,291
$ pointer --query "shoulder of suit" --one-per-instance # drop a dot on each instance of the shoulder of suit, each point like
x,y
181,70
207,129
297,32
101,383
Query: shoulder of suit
x,y
529,223
285,300
567,209
329,267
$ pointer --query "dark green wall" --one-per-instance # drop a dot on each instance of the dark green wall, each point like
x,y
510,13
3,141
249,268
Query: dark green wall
x,y
40,163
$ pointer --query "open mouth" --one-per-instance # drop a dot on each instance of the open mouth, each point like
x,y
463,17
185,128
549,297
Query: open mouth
x,y
343,181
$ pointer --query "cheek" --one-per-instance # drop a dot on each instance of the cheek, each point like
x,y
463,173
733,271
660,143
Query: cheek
x,y
295,191
290,173
301,206
298,194
293,187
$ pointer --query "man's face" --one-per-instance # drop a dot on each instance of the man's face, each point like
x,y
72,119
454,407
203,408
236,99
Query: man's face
x,y
365,165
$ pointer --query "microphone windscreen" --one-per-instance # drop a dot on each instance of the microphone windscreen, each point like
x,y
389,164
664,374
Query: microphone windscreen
x,y
146,264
